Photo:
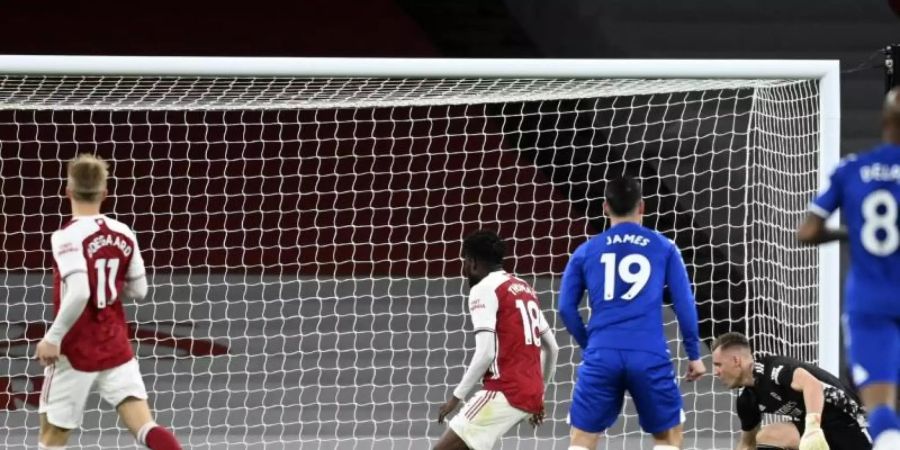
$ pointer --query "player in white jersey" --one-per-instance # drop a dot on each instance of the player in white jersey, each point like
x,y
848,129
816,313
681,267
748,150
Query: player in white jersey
x,y
96,264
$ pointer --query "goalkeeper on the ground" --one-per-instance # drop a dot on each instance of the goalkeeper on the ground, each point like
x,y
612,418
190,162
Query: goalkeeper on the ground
x,y
823,412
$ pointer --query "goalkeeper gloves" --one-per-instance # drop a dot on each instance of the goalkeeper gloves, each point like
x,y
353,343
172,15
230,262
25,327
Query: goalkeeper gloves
x,y
813,437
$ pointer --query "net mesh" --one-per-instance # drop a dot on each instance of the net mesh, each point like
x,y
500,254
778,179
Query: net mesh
x,y
303,237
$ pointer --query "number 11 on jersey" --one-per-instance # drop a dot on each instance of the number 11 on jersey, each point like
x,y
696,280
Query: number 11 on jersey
x,y
105,281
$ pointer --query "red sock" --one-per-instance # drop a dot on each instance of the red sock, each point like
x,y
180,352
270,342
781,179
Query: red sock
x,y
160,438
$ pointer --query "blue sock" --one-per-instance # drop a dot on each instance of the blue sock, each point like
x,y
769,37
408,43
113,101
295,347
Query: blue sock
x,y
882,419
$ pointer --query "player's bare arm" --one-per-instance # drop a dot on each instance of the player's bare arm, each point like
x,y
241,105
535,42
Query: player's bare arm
x,y
447,408
814,398
748,439
813,231
812,389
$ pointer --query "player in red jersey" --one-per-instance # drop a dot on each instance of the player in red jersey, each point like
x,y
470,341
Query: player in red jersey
x,y
515,352
96,264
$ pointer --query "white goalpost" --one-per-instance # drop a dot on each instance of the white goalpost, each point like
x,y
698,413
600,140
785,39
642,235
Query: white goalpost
x,y
301,220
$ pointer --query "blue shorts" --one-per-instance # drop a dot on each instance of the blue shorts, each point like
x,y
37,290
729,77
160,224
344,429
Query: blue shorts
x,y
873,347
605,375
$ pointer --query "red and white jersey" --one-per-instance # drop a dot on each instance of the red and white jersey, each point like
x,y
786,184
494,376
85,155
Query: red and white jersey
x,y
508,307
107,251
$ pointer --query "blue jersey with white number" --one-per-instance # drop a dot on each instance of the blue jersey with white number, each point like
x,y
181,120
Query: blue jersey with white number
x,y
867,190
625,271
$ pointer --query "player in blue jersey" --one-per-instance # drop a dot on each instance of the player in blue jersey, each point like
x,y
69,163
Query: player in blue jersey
x,y
866,187
626,270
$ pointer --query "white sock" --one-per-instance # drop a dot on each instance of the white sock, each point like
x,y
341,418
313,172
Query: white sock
x,y
577,447
887,440
142,433
51,447
665,447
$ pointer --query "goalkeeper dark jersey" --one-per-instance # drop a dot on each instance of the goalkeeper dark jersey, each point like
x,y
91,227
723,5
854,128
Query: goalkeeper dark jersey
x,y
843,418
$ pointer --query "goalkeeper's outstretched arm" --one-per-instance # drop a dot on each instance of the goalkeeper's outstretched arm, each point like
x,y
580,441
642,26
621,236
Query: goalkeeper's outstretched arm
x,y
814,398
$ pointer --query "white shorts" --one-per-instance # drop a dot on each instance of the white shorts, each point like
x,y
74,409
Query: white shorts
x,y
65,391
485,418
